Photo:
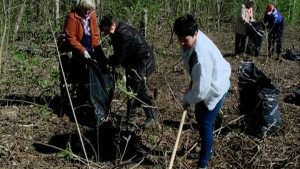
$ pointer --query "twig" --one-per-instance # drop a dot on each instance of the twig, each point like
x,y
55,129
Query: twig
x,y
127,141
69,97
138,163
23,101
26,125
219,129
171,90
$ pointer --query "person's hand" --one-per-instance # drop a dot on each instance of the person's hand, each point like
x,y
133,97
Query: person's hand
x,y
250,24
86,55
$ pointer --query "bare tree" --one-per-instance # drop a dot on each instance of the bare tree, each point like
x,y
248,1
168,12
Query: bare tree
x,y
218,12
19,19
3,35
190,6
143,22
56,11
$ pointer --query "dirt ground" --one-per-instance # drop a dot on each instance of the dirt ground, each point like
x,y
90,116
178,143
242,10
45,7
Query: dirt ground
x,y
35,132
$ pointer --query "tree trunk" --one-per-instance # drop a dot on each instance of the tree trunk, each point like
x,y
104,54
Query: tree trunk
x,y
143,23
190,6
183,9
19,19
98,8
3,36
207,14
56,11
218,13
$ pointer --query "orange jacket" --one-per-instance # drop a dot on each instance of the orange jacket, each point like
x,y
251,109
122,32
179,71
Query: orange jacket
x,y
74,31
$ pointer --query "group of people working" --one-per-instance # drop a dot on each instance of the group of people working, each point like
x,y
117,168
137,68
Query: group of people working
x,y
208,70
274,24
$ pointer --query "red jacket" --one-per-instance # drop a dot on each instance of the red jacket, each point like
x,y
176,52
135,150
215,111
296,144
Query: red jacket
x,y
74,31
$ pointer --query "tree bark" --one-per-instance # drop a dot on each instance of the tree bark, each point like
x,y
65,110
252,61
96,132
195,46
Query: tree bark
x,y
143,23
3,37
19,19
218,12
190,6
56,11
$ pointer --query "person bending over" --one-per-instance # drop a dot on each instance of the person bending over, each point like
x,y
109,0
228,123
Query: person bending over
x,y
209,73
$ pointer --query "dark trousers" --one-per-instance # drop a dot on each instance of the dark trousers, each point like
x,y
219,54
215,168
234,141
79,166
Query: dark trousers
x,y
275,36
240,42
205,120
137,85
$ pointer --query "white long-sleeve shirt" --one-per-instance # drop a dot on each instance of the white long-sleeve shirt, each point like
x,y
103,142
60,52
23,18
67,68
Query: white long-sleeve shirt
x,y
209,72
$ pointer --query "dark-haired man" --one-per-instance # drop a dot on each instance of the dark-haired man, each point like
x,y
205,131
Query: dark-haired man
x,y
209,73
135,55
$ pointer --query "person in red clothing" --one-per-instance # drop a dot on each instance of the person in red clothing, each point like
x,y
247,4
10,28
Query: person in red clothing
x,y
81,29
275,25
82,38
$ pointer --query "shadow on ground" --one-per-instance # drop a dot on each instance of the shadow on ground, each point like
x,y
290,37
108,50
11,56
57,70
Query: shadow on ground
x,y
106,143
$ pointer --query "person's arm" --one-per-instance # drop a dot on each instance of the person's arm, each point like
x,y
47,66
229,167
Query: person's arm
x,y
70,30
269,21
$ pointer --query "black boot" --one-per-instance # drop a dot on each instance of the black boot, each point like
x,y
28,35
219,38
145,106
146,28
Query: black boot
x,y
151,114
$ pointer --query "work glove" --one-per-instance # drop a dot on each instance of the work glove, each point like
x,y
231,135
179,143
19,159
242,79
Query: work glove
x,y
86,55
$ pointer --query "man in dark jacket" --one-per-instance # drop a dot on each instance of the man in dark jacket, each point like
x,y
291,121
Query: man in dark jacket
x,y
276,28
135,55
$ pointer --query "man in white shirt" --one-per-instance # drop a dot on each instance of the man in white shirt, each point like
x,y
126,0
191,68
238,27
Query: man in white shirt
x,y
209,73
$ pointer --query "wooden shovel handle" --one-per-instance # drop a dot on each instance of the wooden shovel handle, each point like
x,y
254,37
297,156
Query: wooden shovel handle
x,y
177,139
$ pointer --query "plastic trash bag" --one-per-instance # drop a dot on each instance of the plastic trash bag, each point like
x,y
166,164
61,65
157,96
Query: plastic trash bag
x,y
101,88
258,101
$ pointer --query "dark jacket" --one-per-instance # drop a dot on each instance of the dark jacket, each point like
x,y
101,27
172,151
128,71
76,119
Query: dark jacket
x,y
274,21
131,50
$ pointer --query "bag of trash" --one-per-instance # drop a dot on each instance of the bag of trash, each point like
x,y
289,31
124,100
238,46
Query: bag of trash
x,y
291,55
256,37
258,101
293,98
91,89
101,88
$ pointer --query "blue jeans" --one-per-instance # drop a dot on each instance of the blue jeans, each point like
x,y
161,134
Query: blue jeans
x,y
205,120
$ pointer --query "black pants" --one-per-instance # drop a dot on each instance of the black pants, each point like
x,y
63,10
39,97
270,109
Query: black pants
x,y
137,85
240,42
275,36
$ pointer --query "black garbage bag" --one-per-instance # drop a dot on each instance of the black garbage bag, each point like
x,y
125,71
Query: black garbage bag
x,y
91,89
293,98
258,101
101,89
291,55
256,37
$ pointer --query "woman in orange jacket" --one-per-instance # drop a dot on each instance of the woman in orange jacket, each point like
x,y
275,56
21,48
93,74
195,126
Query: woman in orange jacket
x,y
81,28
83,40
